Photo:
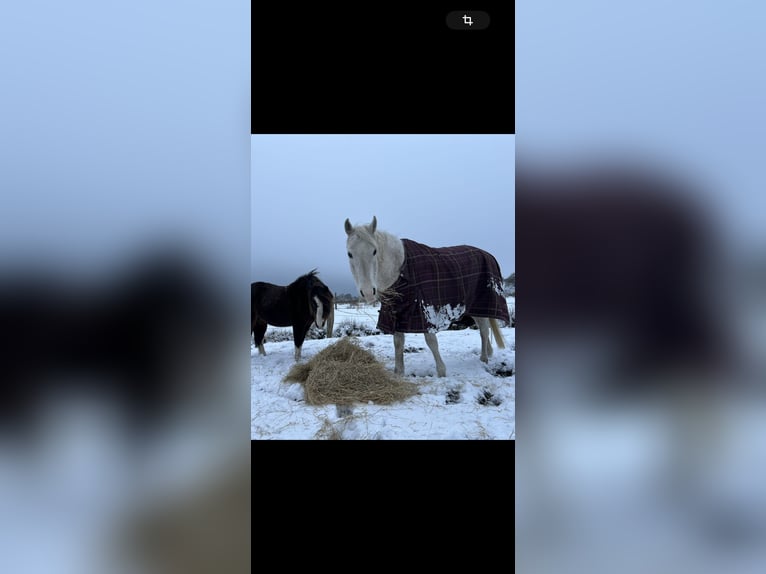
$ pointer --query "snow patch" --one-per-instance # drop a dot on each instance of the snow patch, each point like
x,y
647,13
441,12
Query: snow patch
x,y
445,407
440,318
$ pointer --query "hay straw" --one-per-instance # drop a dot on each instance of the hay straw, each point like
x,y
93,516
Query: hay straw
x,y
328,432
344,373
390,297
346,349
336,382
299,373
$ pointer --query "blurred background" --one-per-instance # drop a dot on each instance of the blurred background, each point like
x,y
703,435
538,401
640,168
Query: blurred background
x,y
641,250
124,241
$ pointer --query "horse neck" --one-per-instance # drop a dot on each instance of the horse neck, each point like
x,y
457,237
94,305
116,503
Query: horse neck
x,y
390,259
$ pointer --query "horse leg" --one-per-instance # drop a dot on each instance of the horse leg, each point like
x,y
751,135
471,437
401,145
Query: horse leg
x,y
486,345
299,335
433,344
399,353
259,330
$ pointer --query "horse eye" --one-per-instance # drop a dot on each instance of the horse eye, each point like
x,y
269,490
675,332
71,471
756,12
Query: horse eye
x,y
350,256
375,252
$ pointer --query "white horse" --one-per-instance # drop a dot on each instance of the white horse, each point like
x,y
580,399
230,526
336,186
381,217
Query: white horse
x,y
424,289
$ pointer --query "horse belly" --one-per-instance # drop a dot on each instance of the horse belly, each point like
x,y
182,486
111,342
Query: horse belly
x,y
276,319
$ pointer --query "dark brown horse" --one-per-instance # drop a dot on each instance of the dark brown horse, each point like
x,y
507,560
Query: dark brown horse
x,y
128,337
304,301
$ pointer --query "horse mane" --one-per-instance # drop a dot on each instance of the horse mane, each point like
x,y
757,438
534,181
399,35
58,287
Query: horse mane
x,y
321,290
307,279
314,286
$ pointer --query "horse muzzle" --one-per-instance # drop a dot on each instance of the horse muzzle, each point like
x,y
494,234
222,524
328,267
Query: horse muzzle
x,y
369,296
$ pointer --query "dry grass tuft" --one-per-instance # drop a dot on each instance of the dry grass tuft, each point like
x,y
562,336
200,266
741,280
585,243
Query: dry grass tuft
x,y
328,432
298,373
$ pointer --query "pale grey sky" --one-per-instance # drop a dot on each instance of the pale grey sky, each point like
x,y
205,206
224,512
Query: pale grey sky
x,y
436,189
124,126
680,85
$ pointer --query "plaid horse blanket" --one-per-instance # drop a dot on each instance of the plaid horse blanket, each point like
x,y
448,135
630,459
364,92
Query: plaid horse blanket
x,y
437,286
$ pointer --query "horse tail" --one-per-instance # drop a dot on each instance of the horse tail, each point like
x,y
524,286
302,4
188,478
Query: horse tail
x,y
497,334
330,319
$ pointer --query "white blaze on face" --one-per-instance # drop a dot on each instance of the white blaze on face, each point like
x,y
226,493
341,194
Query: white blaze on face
x,y
318,318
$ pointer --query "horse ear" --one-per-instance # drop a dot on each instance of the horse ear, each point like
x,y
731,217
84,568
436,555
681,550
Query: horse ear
x,y
349,227
374,224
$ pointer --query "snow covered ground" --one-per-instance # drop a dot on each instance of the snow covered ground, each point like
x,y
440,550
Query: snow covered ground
x,y
474,401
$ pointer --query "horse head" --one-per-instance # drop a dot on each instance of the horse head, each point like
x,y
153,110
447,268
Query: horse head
x,y
362,250
321,302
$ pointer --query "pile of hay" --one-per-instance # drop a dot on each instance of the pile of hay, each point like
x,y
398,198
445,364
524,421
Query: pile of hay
x,y
344,373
